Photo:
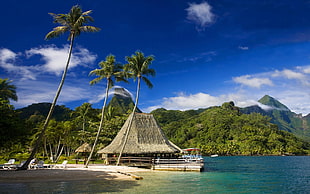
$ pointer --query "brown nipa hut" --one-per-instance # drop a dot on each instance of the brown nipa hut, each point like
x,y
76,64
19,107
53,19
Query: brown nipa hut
x,y
144,139
83,148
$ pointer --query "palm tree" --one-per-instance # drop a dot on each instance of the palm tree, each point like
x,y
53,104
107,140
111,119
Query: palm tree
x,y
74,23
137,68
7,90
109,70
81,114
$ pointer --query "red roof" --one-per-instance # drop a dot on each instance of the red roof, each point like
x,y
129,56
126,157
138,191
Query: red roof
x,y
191,149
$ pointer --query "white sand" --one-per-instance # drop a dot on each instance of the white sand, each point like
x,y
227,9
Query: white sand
x,y
72,172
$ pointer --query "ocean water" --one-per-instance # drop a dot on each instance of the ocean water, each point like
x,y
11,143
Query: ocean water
x,y
237,174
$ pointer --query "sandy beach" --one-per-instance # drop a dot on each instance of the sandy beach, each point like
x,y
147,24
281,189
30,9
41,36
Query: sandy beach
x,y
71,173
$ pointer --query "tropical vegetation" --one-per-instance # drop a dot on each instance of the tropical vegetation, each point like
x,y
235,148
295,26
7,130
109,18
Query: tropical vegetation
x,y
51,132
224,130
109,71
137,68
74,23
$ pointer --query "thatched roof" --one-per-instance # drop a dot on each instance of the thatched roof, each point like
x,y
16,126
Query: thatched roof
x,y
84,148
144,137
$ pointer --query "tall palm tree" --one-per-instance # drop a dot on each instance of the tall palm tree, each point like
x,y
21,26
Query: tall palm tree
x,y
74,23
137,68
82,114
7,90
109,70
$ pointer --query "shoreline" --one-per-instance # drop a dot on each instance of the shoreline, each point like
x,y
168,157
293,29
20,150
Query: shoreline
x,y
71,173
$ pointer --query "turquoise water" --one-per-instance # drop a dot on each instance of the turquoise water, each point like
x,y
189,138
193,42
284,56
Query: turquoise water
x,y
238,174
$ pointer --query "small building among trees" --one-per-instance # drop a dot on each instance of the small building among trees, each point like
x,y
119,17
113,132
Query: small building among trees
x,y
139,141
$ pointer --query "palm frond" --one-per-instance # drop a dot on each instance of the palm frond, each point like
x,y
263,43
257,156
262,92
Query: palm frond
x,y
74,22
89,29
56,32
147,82
96,80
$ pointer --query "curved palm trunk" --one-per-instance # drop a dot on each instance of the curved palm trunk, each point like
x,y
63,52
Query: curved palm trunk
x,y
38,141
100,125
130,122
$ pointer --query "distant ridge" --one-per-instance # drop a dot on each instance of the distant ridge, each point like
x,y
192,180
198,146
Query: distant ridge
x,y
282,116
61,113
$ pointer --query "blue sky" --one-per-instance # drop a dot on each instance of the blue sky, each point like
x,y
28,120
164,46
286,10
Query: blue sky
x,y
206,52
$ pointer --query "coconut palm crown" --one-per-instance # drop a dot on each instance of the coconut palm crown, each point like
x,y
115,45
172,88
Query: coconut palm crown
x,y
73,22
138,67
109,69
7,90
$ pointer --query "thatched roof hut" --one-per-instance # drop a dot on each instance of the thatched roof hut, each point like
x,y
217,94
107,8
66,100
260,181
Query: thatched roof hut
x,y
144,137
83,148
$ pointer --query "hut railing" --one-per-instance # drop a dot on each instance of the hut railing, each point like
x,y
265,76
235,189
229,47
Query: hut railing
x,y
176,160
131,159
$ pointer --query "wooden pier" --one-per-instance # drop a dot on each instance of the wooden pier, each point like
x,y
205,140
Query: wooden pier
x,y
178,164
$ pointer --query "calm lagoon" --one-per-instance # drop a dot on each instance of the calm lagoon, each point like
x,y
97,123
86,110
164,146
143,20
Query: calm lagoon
x,y
237,174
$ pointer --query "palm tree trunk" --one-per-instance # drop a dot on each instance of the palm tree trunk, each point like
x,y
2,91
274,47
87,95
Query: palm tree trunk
x,y
130,122
101,123
59,154
38,141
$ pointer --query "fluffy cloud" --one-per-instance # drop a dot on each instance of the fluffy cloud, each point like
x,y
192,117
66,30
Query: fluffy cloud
x,y
243,48
281,85
53,59
123,92
30,91
306,70
299,74
202,100
192,101
200,14
252,81
8,62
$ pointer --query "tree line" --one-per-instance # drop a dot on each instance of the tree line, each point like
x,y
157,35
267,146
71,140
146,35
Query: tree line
x,y
224,130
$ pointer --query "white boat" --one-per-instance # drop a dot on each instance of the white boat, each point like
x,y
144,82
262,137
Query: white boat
x,y
190,161
214,155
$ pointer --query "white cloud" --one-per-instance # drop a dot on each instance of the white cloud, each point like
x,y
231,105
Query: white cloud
x,y
200,14
8,62
55,58
243,48
284,87
30,91
289,74
100,97
7,55
297,74
192,101
307,70
34,74
252,81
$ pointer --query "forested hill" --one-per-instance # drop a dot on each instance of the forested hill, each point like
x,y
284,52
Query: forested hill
x,y
225,130
40,110
122,102
282,116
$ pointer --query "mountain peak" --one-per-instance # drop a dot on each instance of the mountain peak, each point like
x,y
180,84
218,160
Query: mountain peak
x,y
273,103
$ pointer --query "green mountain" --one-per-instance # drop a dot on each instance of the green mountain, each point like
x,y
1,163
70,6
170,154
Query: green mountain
x,y
225,130
122,101
40,110
282,116
273,103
